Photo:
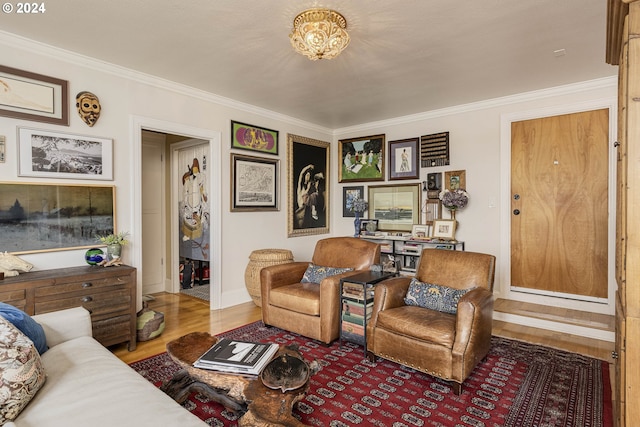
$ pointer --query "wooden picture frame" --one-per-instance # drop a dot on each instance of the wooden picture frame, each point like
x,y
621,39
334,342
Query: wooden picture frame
x,y
254,183
254,138
367,221
309,201
454,180
47,154
420,231
396,207
35,97
444,229
403,159
40,217
349,194
361,159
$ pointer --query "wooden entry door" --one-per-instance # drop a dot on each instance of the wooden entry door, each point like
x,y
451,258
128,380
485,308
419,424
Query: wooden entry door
x,y
559,203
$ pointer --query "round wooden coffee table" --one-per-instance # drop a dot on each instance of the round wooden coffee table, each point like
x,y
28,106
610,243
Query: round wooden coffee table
x,y
258,405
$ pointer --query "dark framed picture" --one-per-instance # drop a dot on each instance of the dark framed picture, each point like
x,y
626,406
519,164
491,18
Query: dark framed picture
x,y
361,159
403,159
254,138
34,97
254,183
46,154
349,194
396,207
308,166
51,217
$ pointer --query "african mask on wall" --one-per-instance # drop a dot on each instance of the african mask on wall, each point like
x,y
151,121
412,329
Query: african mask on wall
x,y
88,106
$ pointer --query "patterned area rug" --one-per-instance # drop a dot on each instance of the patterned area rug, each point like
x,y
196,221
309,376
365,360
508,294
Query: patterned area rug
x,y
517,385
201,292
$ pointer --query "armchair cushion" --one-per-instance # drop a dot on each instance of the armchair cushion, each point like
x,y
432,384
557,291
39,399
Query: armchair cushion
x,y
434,297
317,273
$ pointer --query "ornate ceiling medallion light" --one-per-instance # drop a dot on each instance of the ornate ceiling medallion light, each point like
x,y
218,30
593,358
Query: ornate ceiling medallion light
x,y
319,34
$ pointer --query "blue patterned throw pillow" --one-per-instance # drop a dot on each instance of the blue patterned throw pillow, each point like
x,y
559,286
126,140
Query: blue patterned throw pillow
x,y
434,297
21,320
316,273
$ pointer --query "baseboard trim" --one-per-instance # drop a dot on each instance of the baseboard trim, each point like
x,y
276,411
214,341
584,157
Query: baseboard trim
x,y
581,331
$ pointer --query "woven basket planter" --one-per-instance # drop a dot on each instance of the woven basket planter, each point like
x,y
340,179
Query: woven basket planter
x,y
258,260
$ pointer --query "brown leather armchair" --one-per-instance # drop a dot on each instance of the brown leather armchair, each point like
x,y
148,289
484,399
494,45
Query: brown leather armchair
x,y
310,309
444,345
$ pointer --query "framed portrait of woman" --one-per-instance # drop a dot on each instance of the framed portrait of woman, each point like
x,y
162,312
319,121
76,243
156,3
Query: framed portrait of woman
x,y
308,167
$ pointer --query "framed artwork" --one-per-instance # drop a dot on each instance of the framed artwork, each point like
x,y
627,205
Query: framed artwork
x,y
403,159
361,159
444,229
254,183
454,180
396,207
254,138
50,217
308,167
31,96
349,194
368,225
420,231
46,154
434,149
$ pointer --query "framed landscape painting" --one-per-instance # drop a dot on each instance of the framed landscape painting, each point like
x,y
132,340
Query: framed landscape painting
x,y
396,207
361,159
50,217
47,154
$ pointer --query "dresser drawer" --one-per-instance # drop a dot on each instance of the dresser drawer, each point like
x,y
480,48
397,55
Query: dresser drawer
x,y
112,330
90,285
98,303
16,298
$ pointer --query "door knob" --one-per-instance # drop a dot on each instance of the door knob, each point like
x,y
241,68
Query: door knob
x,y
516,211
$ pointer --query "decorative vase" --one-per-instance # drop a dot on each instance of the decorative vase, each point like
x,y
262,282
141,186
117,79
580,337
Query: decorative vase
x,y
453,214
113,251
356,225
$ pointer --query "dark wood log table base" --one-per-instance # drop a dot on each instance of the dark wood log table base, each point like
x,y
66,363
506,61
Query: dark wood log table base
x,y
258,405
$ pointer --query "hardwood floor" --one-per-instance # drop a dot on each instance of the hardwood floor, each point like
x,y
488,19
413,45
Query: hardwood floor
x,y
184,314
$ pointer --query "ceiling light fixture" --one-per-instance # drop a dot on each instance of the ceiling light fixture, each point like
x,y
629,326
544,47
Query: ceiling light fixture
x,y
319,34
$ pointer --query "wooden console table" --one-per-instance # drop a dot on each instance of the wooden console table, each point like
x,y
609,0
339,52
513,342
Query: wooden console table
x,y
259,405
109,293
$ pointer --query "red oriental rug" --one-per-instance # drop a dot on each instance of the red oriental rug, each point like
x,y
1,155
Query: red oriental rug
x,y
516,385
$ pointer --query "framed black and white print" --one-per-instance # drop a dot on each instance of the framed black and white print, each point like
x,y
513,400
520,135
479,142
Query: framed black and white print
x,y
47,154
254,183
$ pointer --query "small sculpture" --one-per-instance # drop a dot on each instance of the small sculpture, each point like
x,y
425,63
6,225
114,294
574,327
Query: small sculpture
x,y
10,264
88,106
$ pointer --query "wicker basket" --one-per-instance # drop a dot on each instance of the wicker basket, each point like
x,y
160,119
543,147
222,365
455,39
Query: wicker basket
x,y
257,261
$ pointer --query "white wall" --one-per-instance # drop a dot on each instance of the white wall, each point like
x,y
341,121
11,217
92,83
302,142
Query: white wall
x,y
475,140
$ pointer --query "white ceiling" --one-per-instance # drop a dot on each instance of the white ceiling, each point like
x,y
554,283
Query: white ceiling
x,y
405,56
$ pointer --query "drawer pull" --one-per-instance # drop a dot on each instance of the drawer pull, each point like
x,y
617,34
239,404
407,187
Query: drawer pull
x,y
87,284
87,299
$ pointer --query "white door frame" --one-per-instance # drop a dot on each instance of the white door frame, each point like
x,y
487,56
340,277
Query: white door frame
x,y
600,305
138,124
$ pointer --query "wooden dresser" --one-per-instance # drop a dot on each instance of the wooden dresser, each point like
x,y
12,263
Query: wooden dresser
x,y
109,293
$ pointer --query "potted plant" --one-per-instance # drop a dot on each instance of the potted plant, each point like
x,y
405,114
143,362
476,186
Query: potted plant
x,y
114,242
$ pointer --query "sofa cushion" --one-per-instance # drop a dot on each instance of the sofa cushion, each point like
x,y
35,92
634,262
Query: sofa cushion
x,y
21,371
317,273
434,297
300,297
26,325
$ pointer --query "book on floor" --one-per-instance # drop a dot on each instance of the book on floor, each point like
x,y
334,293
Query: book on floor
x,y
237,357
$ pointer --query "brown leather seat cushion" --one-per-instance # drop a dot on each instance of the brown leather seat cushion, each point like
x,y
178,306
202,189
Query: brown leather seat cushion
x,y
300,297
420,323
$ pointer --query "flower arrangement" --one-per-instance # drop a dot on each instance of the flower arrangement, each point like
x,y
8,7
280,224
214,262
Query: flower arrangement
x,y
112,239
359,205
454,199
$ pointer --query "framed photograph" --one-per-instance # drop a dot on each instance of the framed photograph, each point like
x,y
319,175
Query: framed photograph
x,y
254,138
46,154
396,207
403,159
254,183
368,225
444,229
419,231
454,180
50,217
31,96
308,167
361,159
349,194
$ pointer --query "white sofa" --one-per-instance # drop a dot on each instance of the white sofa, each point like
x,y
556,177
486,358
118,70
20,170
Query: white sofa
x,y
88,386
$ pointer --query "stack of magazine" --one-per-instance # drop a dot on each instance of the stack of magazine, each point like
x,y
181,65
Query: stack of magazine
x,y
237,357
